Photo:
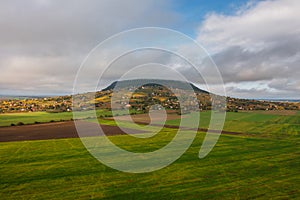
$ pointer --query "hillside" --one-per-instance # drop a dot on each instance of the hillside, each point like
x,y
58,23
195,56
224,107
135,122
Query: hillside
x,y
153,83
140,100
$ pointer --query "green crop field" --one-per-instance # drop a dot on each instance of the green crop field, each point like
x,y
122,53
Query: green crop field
x,y
255,123
32,117
237,168
262,163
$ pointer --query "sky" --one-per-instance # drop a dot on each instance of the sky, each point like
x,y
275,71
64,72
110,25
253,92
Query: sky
x,y
255,44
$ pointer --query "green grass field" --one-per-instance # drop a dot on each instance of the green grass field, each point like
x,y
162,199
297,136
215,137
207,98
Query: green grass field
x,y
258,165
237,168
255,123
31,117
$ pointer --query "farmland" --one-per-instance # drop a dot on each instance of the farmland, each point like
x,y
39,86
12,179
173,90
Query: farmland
x,y
31,118
259,163
256,123
238,167
267,123
259,123
8,119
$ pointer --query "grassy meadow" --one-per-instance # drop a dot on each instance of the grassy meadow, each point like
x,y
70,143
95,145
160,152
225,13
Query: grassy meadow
x,y
263,163
237,168
271,124
30,118
7,119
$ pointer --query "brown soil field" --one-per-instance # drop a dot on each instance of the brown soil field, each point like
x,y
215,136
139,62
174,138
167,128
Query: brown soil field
x,y
56,130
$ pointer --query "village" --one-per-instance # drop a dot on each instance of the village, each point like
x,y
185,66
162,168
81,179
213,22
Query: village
x,y
140,99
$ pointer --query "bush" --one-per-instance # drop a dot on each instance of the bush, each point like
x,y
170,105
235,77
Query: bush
x,y
20,123
37,122
12,124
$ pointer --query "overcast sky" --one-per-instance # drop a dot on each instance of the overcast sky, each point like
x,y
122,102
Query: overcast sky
x,y
255,44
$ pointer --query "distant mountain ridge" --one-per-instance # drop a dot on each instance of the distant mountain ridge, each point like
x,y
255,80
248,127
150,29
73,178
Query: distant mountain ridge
x,y
153,82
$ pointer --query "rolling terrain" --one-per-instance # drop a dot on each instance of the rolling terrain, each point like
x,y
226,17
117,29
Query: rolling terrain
x,y
256,157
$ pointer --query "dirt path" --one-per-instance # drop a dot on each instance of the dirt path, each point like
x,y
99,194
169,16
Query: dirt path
x,y
56,130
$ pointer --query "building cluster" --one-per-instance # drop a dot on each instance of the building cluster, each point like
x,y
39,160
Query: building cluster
x,y
49,104
235,104
141,100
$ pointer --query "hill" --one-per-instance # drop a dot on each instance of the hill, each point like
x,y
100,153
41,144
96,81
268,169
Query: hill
x,y
140,100
153,83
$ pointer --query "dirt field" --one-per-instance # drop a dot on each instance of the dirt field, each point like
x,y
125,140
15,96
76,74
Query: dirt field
x,y
55,131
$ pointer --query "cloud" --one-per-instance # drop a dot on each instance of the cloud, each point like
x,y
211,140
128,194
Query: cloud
x,y
37,75
260,42
43,42
37,22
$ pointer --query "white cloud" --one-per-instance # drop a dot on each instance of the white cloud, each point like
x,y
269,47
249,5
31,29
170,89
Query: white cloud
x,y
260,42
44,42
